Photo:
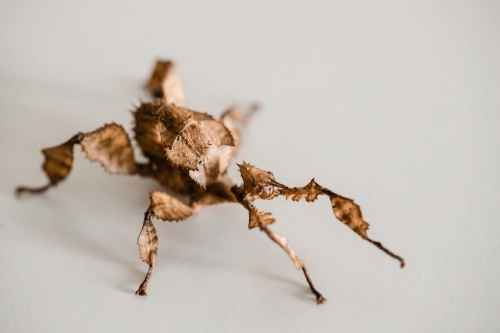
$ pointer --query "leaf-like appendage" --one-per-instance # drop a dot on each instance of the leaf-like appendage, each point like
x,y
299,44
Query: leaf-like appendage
x,y
58,162
219,134
196,138
309,192
110,145
182,155
146,130
349,213
168,208
344,209
148,243
227,119
257,182
261,184
202,145
258,218
173,90
165,207
165,82
213,165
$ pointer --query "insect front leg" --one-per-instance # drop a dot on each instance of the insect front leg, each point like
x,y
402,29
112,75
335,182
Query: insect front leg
x,y
162,206
148,248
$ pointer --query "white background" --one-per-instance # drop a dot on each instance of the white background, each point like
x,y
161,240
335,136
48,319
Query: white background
x,y
395,105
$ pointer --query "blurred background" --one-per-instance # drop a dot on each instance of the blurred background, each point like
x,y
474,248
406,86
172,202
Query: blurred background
x,y
395,105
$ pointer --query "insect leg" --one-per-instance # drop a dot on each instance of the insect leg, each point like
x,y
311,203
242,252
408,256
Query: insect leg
x,y
57,165
261,184
166,83
299,264
148,247
168,208
233,114
344,209
110,145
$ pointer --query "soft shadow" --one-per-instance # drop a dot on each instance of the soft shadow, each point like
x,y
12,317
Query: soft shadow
x,y
201,259
133,280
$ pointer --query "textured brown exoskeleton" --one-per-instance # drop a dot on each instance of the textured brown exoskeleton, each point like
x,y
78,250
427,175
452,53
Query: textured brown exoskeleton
x,y
189,153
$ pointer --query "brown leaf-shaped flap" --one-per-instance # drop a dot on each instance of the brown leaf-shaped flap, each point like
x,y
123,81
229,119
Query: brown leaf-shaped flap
x,y
233,113
148,243
166,83
196,138
258,218
168,208
156,81
257,182
218,133
167,137
111,146
349,213
227,119
212,167
309,192
191,139
146,130
215,131
181,154
224,154
200,146
193,125
173,117
59,160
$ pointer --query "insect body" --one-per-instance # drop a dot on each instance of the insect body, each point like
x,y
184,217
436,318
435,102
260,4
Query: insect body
x,y
189,152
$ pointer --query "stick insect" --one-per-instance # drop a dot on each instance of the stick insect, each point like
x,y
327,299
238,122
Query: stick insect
x,y
189,153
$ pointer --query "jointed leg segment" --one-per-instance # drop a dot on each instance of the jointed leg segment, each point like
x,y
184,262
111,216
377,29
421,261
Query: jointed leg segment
x,y
168,208
148,247
299,264
110,145
344,209
57,166
260,184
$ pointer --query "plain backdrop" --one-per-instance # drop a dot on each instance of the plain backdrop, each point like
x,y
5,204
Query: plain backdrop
x,y
394,104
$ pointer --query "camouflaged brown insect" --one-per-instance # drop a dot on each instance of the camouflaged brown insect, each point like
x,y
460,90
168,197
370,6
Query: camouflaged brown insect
x,y
189,153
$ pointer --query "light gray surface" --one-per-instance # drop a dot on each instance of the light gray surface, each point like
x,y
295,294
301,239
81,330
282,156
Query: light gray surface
x,y
394,105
